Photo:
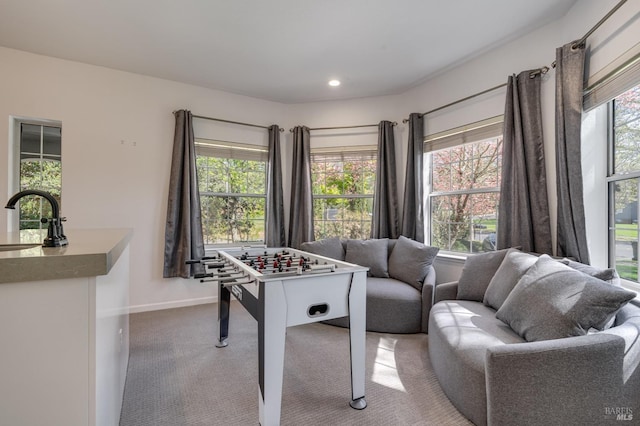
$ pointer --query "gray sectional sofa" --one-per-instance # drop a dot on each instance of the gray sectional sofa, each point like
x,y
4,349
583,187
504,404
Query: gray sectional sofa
x,y
526,340
400,280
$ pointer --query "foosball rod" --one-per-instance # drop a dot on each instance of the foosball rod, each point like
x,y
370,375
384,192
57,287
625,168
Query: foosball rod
x,y
236,281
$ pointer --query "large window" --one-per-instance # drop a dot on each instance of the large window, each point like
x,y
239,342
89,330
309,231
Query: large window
x,y
464,187
232,183
40,168
624,182
343,186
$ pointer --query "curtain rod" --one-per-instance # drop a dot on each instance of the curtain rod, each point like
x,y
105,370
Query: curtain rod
x,y
542,70
596,26
346,127
582,41
232,122
532,74
406,120
235,122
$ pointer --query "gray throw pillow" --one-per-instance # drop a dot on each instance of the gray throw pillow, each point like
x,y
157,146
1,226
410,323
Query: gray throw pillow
x,y
369,253
512,268
552,301
410,261
477,273
329,247
609,275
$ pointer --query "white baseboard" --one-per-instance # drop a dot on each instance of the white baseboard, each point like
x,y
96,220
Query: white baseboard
x,y
173,304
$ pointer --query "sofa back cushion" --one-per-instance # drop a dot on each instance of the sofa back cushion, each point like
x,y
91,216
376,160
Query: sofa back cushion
x,y
410,260
552,301
512,268
609,275
477,273
370,253
329,247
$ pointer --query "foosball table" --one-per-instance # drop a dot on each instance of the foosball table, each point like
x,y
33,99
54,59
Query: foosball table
x,y
281,288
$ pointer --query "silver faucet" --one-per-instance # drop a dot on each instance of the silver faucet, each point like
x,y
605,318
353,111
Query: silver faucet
x,y
55,233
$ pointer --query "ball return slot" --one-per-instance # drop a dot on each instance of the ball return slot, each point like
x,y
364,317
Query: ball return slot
x,y
319,310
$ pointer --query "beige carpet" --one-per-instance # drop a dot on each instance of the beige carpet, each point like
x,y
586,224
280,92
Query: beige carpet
x,y
178,377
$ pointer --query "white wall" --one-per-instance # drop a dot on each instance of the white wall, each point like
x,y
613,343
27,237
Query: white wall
x,y
118,127
117,138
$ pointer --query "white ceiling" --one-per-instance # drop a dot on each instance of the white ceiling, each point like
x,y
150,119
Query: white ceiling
x,y
279,50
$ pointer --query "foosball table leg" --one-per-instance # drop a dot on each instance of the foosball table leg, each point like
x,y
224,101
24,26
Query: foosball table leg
x,y
357,337
272,327
224,305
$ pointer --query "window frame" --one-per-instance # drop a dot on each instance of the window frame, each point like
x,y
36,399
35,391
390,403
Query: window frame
x,y
237,151
612,179
15,136
360,153
472,133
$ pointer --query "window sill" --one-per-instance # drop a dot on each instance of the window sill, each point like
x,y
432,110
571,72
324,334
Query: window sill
x,y
631,285
208,248
452,256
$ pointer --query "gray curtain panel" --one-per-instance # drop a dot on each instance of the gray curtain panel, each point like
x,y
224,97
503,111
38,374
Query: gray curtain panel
x,y
413,205
274,233
385,200
301,210
572,238
523,213
183,232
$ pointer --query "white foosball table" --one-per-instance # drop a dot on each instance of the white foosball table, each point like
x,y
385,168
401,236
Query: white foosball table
x,y
287,287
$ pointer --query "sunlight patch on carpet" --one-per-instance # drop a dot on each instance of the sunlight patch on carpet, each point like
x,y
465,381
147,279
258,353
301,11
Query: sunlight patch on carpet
x,y
385,372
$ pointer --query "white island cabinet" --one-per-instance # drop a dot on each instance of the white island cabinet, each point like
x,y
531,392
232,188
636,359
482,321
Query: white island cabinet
x,y
64,330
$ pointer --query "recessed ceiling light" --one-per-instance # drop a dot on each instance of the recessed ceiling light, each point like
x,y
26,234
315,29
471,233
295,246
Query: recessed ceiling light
x,y
334,83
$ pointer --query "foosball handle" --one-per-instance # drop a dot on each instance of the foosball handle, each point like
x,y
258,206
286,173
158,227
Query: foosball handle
x,y
193,261
199,276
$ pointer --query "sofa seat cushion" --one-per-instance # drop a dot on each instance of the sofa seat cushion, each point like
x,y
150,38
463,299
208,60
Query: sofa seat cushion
x,y
392,289
460,331
470,328
392,307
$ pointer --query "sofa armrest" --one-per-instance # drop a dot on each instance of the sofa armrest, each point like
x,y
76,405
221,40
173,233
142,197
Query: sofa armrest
x,y
445,291
573,380
428,285
430,278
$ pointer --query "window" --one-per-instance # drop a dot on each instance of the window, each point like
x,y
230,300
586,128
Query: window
x,y
464,186
232,181
343,186
624,182
40,168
